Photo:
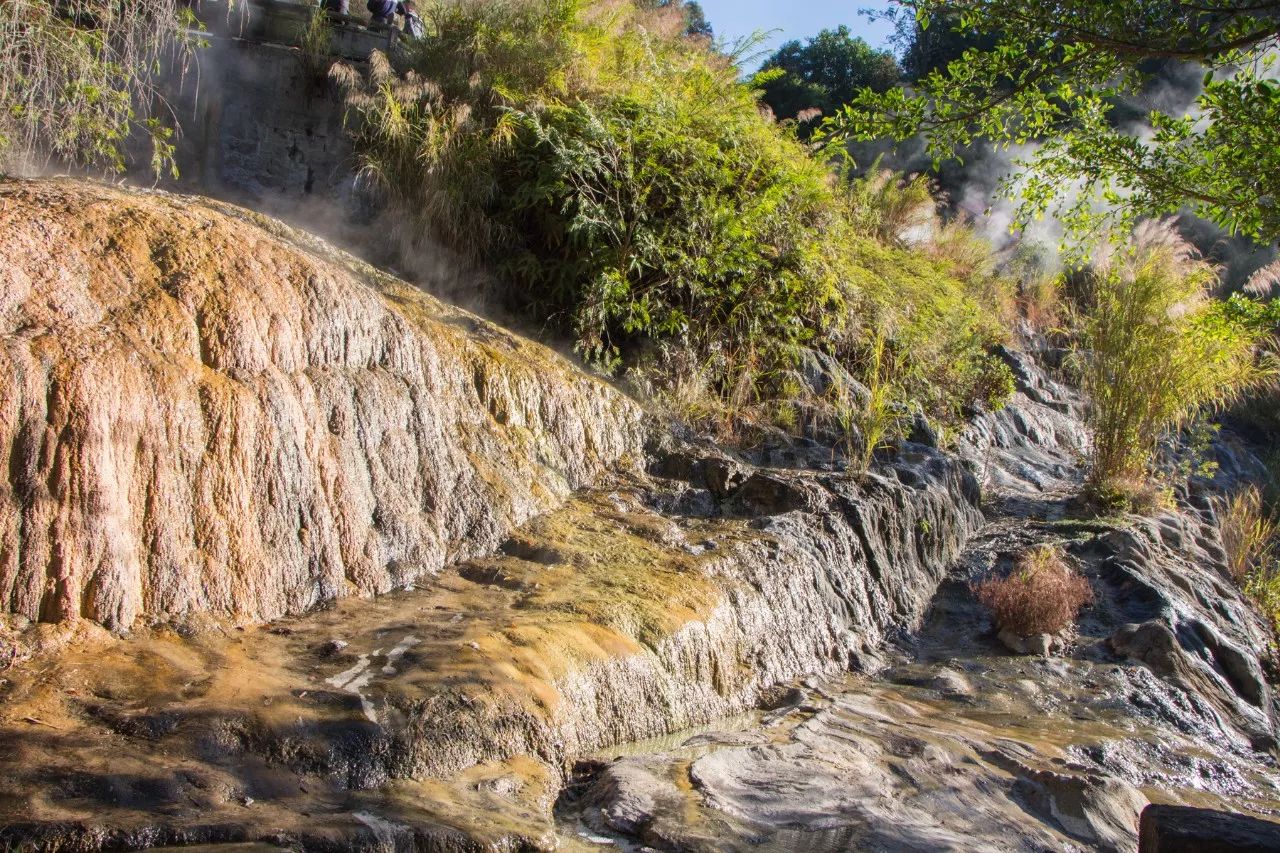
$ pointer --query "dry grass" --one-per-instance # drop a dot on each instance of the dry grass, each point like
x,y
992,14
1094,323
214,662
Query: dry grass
x,y
1249,532
1265,282
1040,300
1137,495
1041,596
895,209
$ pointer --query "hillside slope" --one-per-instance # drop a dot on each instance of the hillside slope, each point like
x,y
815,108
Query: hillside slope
x,y
211,413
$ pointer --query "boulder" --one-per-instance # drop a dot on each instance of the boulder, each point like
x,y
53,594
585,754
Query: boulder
x,y
1185,829
1151,643
1037,644
1094,807
723,476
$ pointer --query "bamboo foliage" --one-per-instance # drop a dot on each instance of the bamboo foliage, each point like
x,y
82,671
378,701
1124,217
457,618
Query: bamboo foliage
x,y
1157,351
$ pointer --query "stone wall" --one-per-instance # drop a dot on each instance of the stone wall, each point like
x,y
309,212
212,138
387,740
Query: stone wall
x,y
261,125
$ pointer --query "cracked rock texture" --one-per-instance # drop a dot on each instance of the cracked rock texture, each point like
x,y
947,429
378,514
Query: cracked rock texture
x,y
206,412
1159,696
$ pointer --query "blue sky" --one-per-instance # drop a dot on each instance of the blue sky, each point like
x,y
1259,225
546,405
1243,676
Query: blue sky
x,y
796,19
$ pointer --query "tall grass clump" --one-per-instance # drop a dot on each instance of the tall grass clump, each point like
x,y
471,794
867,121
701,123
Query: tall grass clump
x,y
1156,352
1250,533
624,182
1042,595
315,45
896,209
876,419
77,78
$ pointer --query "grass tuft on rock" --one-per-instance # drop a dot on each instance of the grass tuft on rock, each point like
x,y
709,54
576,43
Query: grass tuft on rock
x,y
1250,535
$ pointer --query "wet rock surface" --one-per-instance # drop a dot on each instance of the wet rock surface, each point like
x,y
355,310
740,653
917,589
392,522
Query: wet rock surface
x,y
957,743
532,688
441,717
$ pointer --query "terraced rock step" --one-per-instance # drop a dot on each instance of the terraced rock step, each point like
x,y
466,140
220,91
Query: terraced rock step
x,y
953,743
447,712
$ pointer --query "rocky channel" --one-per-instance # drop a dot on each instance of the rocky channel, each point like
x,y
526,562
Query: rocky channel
x,y
533,618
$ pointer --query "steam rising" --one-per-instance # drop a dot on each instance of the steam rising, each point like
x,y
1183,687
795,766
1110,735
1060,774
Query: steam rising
x,y
972,182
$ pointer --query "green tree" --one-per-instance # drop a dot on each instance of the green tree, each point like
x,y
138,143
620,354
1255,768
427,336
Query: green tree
x,y
76,77
1054,76
695,19
824,73
929,48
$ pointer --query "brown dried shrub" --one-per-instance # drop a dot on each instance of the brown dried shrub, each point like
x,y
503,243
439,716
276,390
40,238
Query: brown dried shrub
x,y
1042,595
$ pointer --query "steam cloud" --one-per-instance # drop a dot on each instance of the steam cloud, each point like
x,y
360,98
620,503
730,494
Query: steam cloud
x,y
972,183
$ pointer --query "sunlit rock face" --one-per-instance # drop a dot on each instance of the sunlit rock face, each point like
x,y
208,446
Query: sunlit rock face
x,y
205,412
212,416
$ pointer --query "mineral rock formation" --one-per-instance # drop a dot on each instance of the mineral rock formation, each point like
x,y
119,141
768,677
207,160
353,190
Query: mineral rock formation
x,y
211,414
206,412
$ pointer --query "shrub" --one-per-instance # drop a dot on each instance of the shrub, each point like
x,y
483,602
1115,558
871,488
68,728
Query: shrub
x,y
1157,351
623,178
626,185
938,328
76,77
654,217
1041,596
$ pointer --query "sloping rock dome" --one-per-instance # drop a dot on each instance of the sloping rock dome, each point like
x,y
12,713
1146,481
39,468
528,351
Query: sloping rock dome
x,y
207,412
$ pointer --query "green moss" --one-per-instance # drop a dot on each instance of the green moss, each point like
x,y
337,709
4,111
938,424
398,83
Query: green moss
x,y
1080,527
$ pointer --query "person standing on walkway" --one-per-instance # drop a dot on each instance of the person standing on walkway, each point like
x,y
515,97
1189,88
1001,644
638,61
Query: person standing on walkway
x,y
384,12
